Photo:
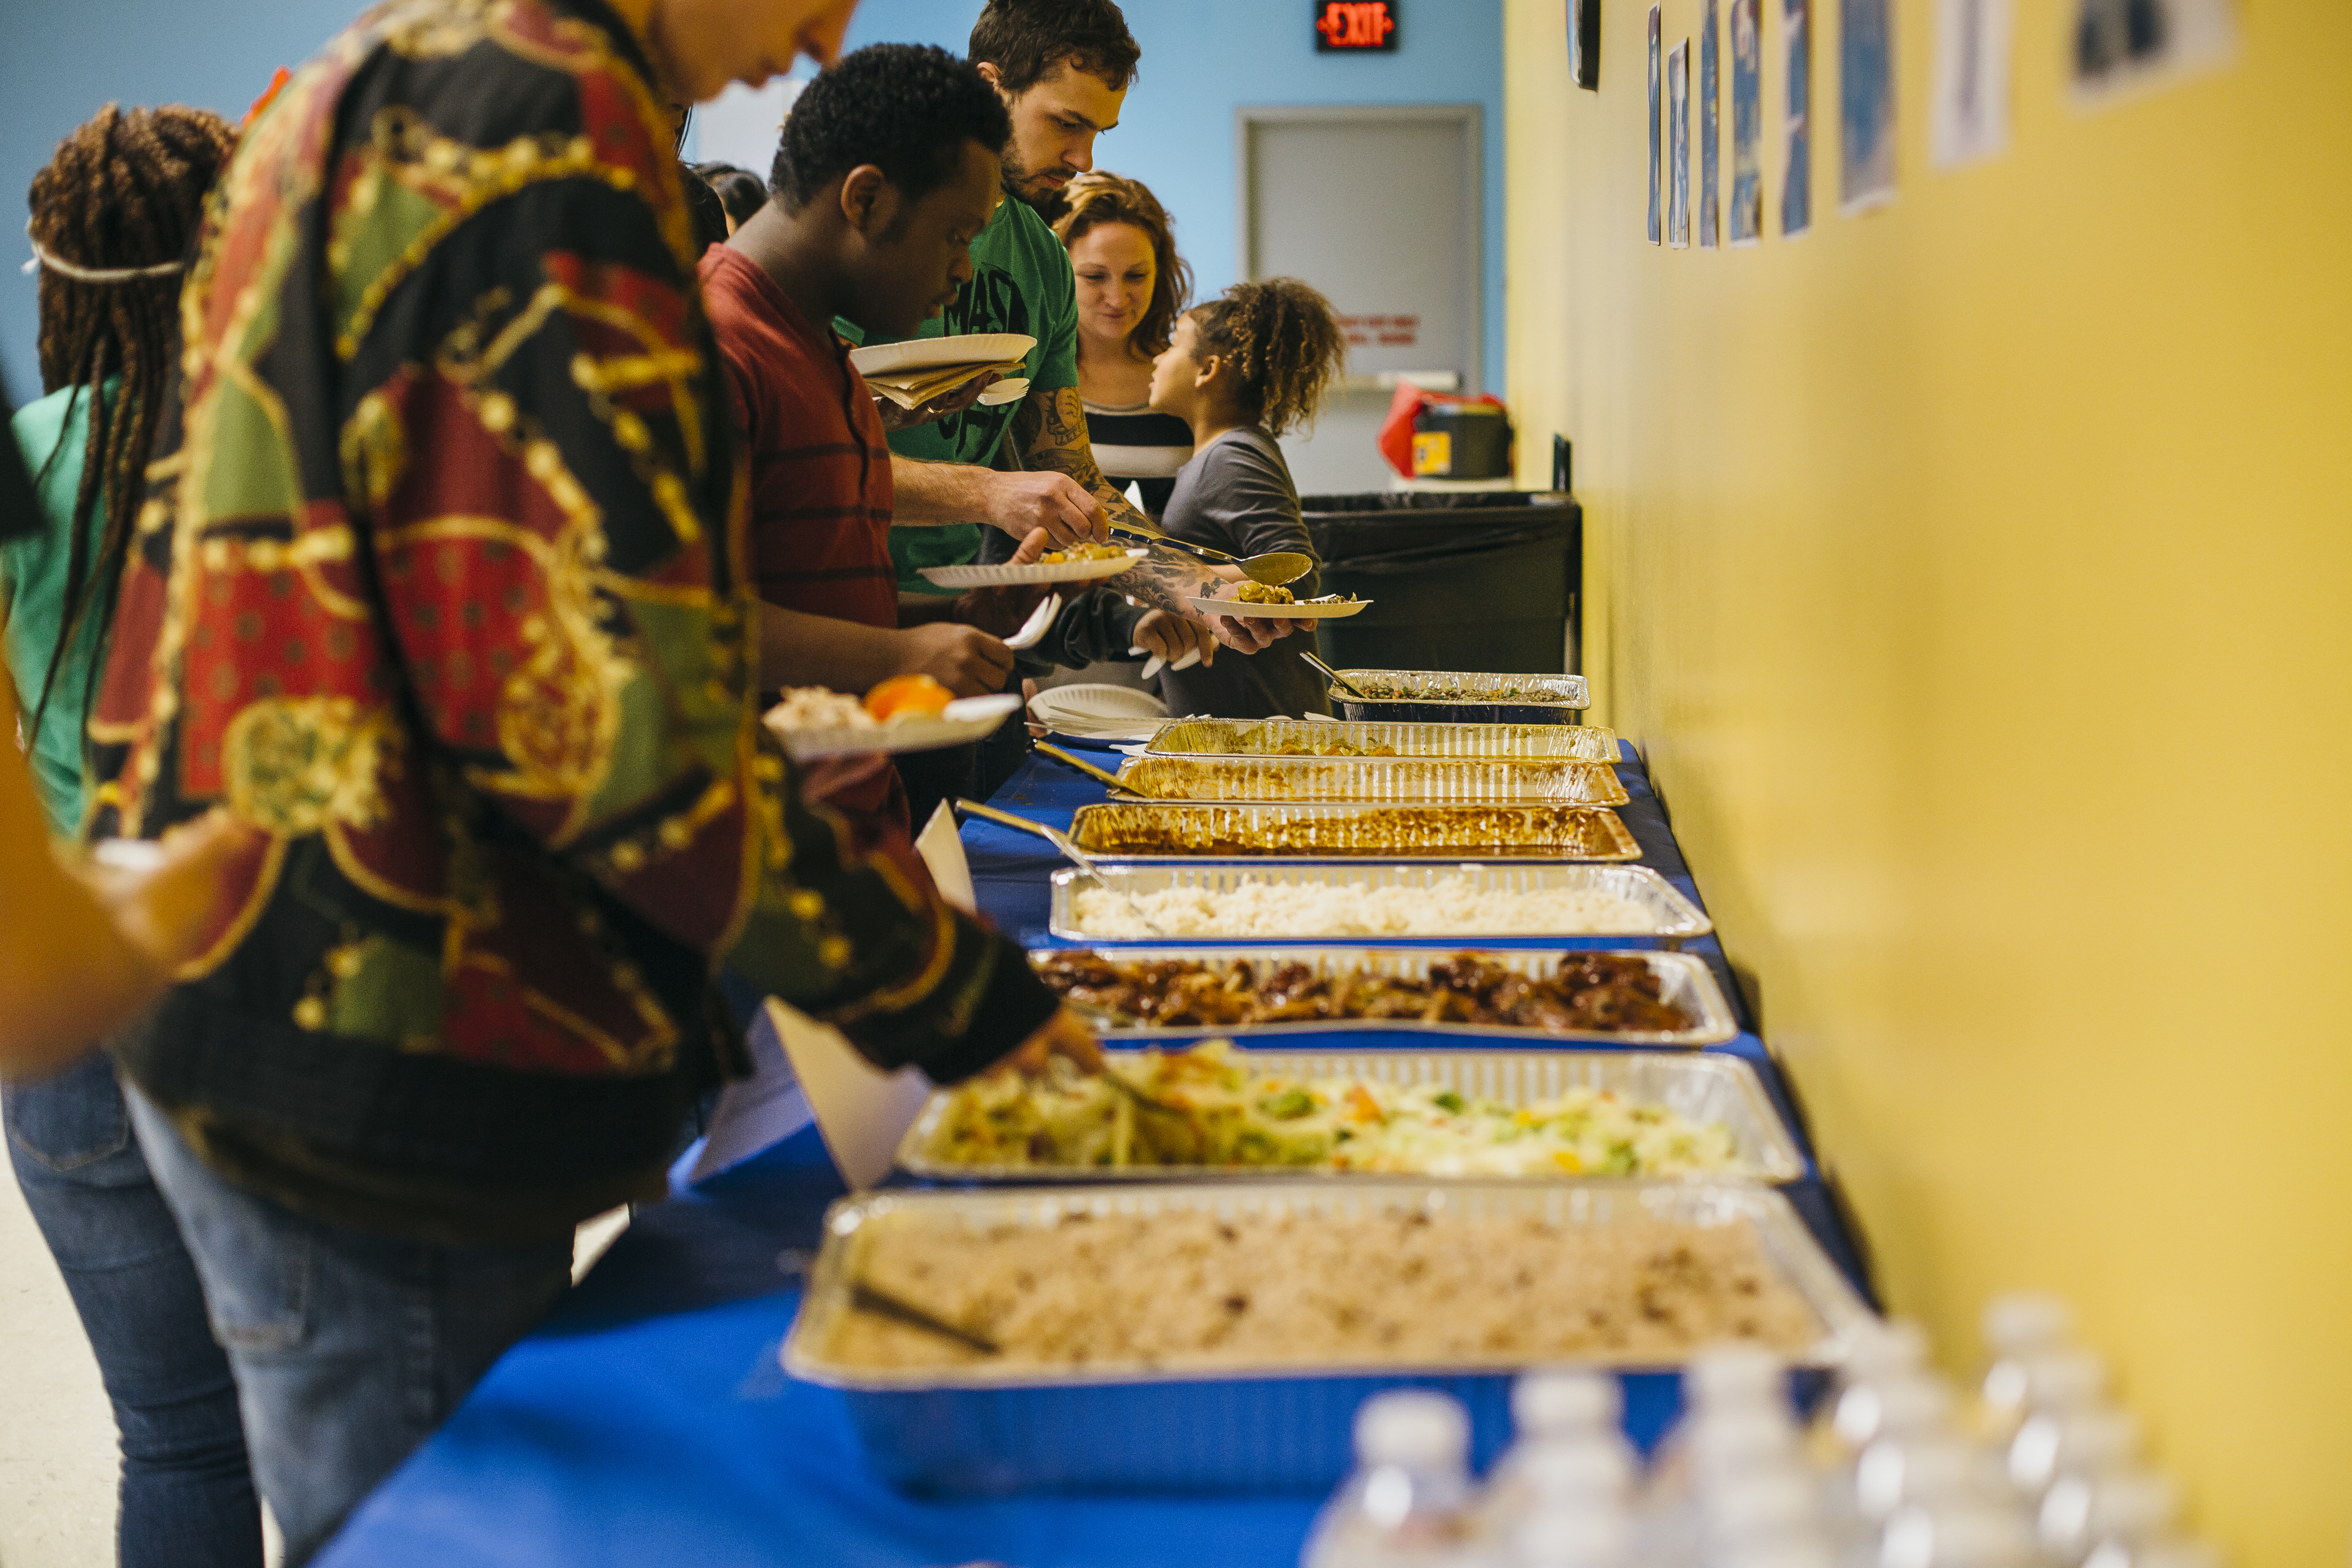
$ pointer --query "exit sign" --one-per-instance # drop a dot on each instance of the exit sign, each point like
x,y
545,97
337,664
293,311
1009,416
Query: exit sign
x,y
1356,26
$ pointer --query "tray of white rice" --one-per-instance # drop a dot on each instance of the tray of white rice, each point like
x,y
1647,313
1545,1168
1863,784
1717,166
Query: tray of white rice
x,y
1578,904
1386,780
1325,738
1219,1338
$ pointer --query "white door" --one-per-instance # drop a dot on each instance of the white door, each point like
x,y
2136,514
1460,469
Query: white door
x,y
1378,208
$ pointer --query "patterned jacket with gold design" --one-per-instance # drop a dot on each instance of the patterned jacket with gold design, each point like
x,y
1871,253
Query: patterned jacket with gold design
x,y
440,582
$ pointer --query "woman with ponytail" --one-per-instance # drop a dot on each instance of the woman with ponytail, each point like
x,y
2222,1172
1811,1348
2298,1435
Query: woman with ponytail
x,y
114,215
1242,370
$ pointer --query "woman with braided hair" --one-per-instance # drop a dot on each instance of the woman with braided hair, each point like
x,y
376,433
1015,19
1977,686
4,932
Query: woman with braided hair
x,y
113,214
1242,370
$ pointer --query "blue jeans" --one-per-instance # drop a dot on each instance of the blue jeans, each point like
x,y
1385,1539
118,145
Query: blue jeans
x,y
349,1348
186,1491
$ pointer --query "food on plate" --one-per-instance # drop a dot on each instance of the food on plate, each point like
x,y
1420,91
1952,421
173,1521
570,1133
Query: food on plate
x,y
1209,1107
1285,1286
1603,993
1126,827
1445,906
1454,688
1570,781
1087,550
1262,593
814,708
909,696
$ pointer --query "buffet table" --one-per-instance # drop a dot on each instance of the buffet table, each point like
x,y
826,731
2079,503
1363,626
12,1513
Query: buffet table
x,y
649,1422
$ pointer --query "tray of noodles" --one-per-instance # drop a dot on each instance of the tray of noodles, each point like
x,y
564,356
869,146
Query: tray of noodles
x,y
1556,781
1320,737
1189,830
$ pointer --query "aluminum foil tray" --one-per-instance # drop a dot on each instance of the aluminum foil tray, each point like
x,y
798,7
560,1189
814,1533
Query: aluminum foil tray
x,y
1684,977
1704,1089
1442,780
1161,830
1675,919
974,1430
1463,697
1499,742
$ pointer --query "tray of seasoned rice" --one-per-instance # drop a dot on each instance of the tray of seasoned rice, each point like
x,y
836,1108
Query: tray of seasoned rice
x,y
1216,1111
1645,998
1316,737
1578,905
1219,1336
1458,697
1384,780
1182,830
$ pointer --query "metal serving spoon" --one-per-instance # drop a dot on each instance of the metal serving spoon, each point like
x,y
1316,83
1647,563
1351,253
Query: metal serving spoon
x,y
1085,767
1338,680
882,1304
1070,852
1274,568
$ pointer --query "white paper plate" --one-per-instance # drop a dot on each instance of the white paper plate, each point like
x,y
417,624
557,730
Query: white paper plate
x,y
1012,389
1099,712
922,354
1280,612
961,577
966,719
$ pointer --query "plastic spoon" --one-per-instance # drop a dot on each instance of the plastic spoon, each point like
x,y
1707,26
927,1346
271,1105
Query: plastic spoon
x,y
1274,568
1070,852
1338,680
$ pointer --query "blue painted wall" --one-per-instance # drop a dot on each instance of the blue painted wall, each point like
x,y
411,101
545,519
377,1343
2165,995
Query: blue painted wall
x,y
1202,59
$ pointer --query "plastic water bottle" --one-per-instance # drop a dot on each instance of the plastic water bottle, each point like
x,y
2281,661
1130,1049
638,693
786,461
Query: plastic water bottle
x,y
1873,1437
1408,1503
2121,1513
1770,1506
1883,1353
1577,1473
1555,1405
1931,1469
2017,1328
2082,1442
2159,1554
1596,1537
1739,1429
1970,1535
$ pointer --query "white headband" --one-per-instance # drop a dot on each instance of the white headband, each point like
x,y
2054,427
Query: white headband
x,y
42,257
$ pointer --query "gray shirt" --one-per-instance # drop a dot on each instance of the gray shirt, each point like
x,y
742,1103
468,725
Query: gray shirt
x,y
1235,495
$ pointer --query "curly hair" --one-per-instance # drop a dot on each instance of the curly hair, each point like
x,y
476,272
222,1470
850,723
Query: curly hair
x,y
739,190
907,108
1093,200
1027,41
1282,337
124,194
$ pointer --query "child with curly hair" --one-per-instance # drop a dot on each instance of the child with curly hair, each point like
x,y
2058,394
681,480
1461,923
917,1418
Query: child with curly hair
x,y
1242,370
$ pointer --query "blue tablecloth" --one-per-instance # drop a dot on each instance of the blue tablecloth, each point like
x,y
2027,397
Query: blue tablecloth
x,y
649,1423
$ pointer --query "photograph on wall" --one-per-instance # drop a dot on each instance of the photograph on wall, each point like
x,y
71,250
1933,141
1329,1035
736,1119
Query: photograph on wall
x,y
1797,182
1747,124
1678,147
1971,116
1657,155
2120,45
1710,131
1584,43
1866,104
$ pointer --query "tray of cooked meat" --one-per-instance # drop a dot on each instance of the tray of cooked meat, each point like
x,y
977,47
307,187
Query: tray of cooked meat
x,y
1323,738
1182,830
1220,1336
1645,997
1458,697
1556,781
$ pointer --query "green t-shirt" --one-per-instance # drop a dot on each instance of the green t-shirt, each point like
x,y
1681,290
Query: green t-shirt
x,y
35,569
1021,282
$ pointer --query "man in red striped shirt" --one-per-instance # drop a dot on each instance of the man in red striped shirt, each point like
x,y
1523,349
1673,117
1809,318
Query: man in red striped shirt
x,y
890,166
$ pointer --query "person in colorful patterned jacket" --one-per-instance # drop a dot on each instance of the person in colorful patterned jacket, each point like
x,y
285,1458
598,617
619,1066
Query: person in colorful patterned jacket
x,y
441,586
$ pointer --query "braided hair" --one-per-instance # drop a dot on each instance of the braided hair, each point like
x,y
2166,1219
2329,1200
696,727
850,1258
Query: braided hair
x,y
1281,336
122,197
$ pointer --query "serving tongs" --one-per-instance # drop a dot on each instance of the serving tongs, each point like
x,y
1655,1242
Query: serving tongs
x,y
1338,680
1061,841
1274,568
872,1299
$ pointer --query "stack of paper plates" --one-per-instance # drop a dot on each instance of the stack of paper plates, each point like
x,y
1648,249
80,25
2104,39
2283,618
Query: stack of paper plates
x,y
1092,712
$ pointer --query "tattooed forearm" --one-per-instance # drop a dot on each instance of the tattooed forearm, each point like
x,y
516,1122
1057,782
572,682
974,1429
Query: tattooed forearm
x,y
1050,432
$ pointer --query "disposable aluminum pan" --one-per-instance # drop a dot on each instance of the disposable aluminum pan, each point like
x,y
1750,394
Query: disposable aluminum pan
x,y
1268,737
1463,697
1684,979
1672,920
1438,780
974,1429
1702,1088
1185,831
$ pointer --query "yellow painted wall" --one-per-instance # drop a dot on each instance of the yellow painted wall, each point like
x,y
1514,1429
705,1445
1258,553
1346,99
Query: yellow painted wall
x,y
1978,576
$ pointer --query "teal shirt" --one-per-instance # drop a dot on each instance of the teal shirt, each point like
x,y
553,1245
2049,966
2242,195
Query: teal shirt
x,y
1021,282
33,571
